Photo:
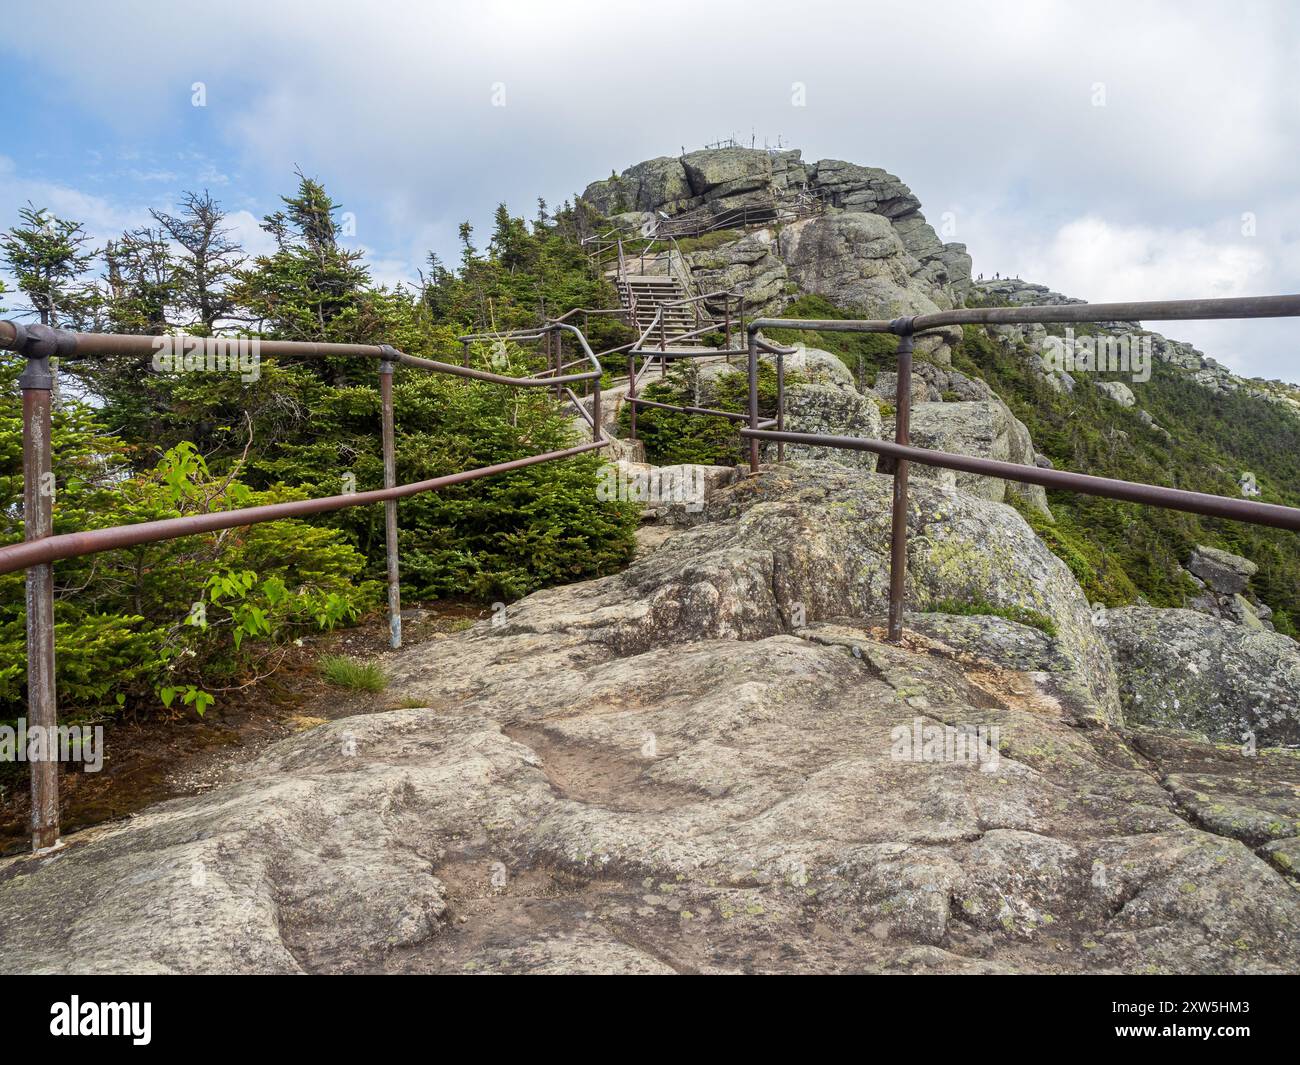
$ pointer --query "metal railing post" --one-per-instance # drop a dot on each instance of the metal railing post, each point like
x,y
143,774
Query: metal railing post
x,y
631,390
559,362
753,400
898,526
595,409
389,361
37,384
780,404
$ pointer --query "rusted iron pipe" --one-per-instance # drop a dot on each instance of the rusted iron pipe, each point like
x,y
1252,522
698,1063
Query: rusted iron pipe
x,y
493,378
37,383
780,403
753,401
898,519
389,447
1155,310
729,414
583,413
73,545
552,328
83,345
1211,506
1285,306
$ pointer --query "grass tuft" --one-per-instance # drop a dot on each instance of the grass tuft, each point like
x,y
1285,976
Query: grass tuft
x,y
1020,615
345,672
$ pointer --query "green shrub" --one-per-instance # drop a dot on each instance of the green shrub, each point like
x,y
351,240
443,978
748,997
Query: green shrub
x,y
671,437
178,620
866,354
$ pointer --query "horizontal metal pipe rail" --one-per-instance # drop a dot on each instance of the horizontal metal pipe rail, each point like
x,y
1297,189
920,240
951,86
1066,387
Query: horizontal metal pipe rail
x,y
635,402
40,548
730,415
1211,506
1287,306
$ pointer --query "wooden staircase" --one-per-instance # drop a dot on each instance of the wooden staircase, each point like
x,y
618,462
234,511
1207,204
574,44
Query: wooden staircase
x,y
644,294
647,284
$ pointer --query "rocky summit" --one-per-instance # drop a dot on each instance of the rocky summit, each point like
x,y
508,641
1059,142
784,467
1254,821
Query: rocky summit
x,y
712,762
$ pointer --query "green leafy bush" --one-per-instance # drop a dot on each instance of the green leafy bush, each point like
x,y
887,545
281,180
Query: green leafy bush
x,y
181,619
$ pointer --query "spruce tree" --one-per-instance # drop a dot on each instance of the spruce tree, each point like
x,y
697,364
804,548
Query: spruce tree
x,y
48,257
206,264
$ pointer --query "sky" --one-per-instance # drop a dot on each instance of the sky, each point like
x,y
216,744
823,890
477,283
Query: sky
x,y
1136,150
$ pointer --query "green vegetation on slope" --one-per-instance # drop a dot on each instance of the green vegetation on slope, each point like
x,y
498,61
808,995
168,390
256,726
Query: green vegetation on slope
x,y
1121,550
175,624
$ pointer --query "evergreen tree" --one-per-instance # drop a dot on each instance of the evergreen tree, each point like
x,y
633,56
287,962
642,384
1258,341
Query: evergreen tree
x,y
511,245
310,287
48,257
141,282
207,263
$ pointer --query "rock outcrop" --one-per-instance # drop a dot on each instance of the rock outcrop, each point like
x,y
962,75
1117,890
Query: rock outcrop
x,y
825,400
750,265
1205,371
858,262
1224,582
1183,669
693,765
985,428
1117,392
710,183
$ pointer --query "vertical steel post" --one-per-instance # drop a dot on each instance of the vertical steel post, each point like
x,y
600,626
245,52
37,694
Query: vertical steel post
x,y
898,529
753,400
726,310
389,359
631,389
780,405
37,383
663,344
595,409
559,363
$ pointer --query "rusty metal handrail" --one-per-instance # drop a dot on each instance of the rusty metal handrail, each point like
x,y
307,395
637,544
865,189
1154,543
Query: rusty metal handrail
x,y
634,401
40,548
905,329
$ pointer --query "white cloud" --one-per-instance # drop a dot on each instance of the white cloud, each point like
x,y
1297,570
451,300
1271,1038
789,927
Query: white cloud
x,y
984,109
